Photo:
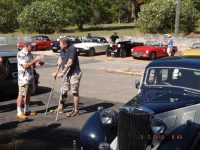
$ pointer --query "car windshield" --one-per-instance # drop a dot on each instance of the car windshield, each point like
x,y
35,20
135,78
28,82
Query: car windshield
x,y
152,43
36,38
178,77
93,40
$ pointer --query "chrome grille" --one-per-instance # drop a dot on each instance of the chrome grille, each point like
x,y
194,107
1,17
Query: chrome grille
x,y
133,129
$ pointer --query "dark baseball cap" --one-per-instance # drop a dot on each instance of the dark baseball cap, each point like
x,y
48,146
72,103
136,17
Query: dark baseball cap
x,y
26,43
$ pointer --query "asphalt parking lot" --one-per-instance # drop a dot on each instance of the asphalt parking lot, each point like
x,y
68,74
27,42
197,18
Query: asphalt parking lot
x,y
106,82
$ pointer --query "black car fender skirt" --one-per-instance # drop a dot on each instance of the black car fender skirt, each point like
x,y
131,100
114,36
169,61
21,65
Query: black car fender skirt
x,y
185,137
94,132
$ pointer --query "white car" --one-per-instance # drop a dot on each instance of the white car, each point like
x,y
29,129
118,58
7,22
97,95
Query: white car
x,y
91,46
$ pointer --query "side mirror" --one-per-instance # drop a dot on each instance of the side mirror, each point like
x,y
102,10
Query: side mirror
x,y
137,84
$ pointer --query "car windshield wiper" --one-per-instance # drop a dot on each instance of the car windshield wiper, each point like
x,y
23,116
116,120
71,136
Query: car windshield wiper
x,y
192,92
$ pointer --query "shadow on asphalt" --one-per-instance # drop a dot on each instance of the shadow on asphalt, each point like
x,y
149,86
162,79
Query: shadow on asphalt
x,y
93,108
12,125
13,106
39,91
97,54
42,138
82,109
42,90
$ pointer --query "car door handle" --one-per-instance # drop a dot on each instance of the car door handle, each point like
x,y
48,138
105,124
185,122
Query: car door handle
x,y
14,74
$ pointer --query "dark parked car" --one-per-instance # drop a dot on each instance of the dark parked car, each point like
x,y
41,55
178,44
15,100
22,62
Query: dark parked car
x,y
164,115
55,46
122,48
10,83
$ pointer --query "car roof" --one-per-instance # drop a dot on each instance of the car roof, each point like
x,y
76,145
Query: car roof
x,y
177,61
8,53
40,36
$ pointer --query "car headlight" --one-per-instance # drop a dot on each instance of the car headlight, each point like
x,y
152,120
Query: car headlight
x,y
147,51
158,126
108,116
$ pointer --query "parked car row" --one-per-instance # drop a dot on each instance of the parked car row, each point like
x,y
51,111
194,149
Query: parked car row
x,y
90,46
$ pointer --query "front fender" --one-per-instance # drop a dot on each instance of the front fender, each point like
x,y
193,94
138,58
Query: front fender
x,y
94,132
183,138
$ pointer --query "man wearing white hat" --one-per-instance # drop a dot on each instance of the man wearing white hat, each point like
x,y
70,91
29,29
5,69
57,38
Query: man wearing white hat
x,y
26,62
170,45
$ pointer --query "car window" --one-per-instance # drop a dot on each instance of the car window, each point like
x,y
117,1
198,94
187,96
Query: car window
x,y
45,38
152,43
180,77
94,40
11,64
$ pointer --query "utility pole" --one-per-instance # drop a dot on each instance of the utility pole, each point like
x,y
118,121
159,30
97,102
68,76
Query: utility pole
x,y
178,8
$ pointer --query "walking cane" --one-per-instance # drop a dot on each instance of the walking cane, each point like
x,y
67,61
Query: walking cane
x,y
61,93
52,89
51,94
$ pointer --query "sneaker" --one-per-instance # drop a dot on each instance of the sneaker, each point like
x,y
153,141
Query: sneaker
x,y
22,116
60,111
30,113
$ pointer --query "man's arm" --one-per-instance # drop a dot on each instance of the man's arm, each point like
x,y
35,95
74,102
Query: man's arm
x,y
67,66
58,66
32,63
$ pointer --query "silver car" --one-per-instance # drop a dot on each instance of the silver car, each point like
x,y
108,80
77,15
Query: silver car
x,y
93,45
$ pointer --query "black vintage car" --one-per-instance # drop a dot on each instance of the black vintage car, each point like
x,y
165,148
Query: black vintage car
x,y
164,115
55,46
122,48
9,85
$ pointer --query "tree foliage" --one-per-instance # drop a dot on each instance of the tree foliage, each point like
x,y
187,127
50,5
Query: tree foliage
x,y
8,21
159,16
47,16
41,17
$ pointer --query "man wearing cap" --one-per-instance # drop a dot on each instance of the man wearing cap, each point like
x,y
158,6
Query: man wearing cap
x,y
170,45
26,85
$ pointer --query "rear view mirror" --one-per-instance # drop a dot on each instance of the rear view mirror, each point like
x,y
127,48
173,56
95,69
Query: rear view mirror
x,y
137,84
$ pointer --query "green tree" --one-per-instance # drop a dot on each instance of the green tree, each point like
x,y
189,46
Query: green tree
x,y
76,11
41,17
190,14
152,19
8,12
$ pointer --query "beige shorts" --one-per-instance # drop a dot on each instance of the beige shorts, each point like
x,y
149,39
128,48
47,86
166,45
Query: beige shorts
x,y
72,83
26,89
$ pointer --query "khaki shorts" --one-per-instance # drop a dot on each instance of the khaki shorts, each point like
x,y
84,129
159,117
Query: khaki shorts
x,y
72,83
26,89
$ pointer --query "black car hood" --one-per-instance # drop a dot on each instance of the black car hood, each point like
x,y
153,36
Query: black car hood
x,y
162,100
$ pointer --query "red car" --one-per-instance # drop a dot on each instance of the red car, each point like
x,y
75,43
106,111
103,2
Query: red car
x,y
151,50
41,42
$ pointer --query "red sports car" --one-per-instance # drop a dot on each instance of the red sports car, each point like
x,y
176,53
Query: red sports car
x,y
41,42
151,50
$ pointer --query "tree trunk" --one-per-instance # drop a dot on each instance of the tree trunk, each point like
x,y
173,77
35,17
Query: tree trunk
x,y
80,26
133,13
